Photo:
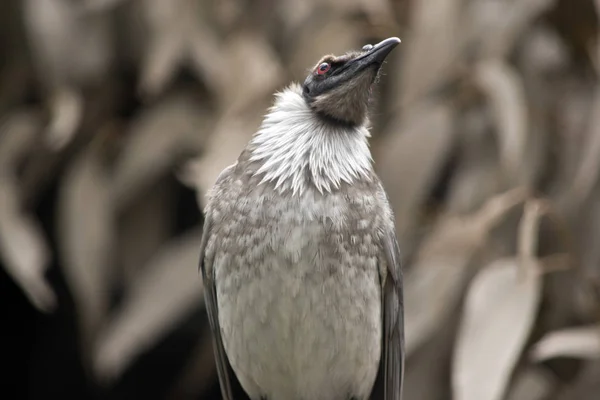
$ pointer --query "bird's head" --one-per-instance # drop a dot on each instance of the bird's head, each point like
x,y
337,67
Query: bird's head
x,y
339,87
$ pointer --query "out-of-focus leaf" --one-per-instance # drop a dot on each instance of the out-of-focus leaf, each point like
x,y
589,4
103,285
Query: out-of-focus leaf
x,y
295,16
531,384
99,5
431,51
378,12
528,230
502,85
433,286
228,12
581,342
23,248
587,172
504,294
223,148
426,376
166,291
410,157
477,177
254,75
587,237
499,312
178,36
57,30
18,132
86,237
586,386
158,137
333,36
575,104
66,108
145,225
498,36
545,51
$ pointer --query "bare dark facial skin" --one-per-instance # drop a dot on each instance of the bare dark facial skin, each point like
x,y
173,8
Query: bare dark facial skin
x,y
339,87
339,72
342,92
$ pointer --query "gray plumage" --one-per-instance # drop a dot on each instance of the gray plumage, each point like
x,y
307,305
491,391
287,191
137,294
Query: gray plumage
x,y
299,256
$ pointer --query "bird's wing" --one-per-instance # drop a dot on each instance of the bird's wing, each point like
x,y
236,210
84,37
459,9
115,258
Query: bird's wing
x,y
393,319
389,382
224,369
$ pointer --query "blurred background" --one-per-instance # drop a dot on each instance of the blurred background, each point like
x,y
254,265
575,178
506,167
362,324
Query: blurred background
x,y
117,115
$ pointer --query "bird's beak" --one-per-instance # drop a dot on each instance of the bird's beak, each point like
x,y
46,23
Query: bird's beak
x,y
376,55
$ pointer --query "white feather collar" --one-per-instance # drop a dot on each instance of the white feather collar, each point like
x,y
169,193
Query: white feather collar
x,y
293,144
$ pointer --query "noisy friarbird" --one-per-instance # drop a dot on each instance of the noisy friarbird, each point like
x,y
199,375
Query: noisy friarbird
x,y
299,257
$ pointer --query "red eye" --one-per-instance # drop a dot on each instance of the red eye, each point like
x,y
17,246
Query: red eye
x,y
323,68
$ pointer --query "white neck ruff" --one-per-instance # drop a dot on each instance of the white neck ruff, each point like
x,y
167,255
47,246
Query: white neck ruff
x,y
293,144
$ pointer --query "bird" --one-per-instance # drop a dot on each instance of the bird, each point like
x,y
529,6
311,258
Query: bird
x,y
299,257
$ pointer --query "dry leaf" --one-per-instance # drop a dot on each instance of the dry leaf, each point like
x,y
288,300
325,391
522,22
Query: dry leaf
x,y
544,51
504,89
18,132
157,138
378,12
228,12
295,15
86,238
57,30
528,230
581,342
499,312
477,176
100,5
531,384
23,248
223,148
576,103
66,110
433,286
586,385
168,289
145,225
498,36
254,75
431,49
587,172
177,37
587,238
426,376
333,36
409,159
500,309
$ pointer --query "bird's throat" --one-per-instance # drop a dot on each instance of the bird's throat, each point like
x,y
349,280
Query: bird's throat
x,y
296,148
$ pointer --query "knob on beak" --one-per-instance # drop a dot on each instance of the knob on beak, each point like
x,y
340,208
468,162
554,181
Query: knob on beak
x,y
377,53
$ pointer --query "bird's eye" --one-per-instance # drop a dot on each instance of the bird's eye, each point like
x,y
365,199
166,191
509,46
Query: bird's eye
x,y
323,68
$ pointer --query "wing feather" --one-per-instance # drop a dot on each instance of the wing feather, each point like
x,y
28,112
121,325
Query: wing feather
x,y
390,379
224,370
393,320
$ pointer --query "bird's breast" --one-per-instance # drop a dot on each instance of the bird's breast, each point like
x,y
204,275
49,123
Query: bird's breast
x,y
299,297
